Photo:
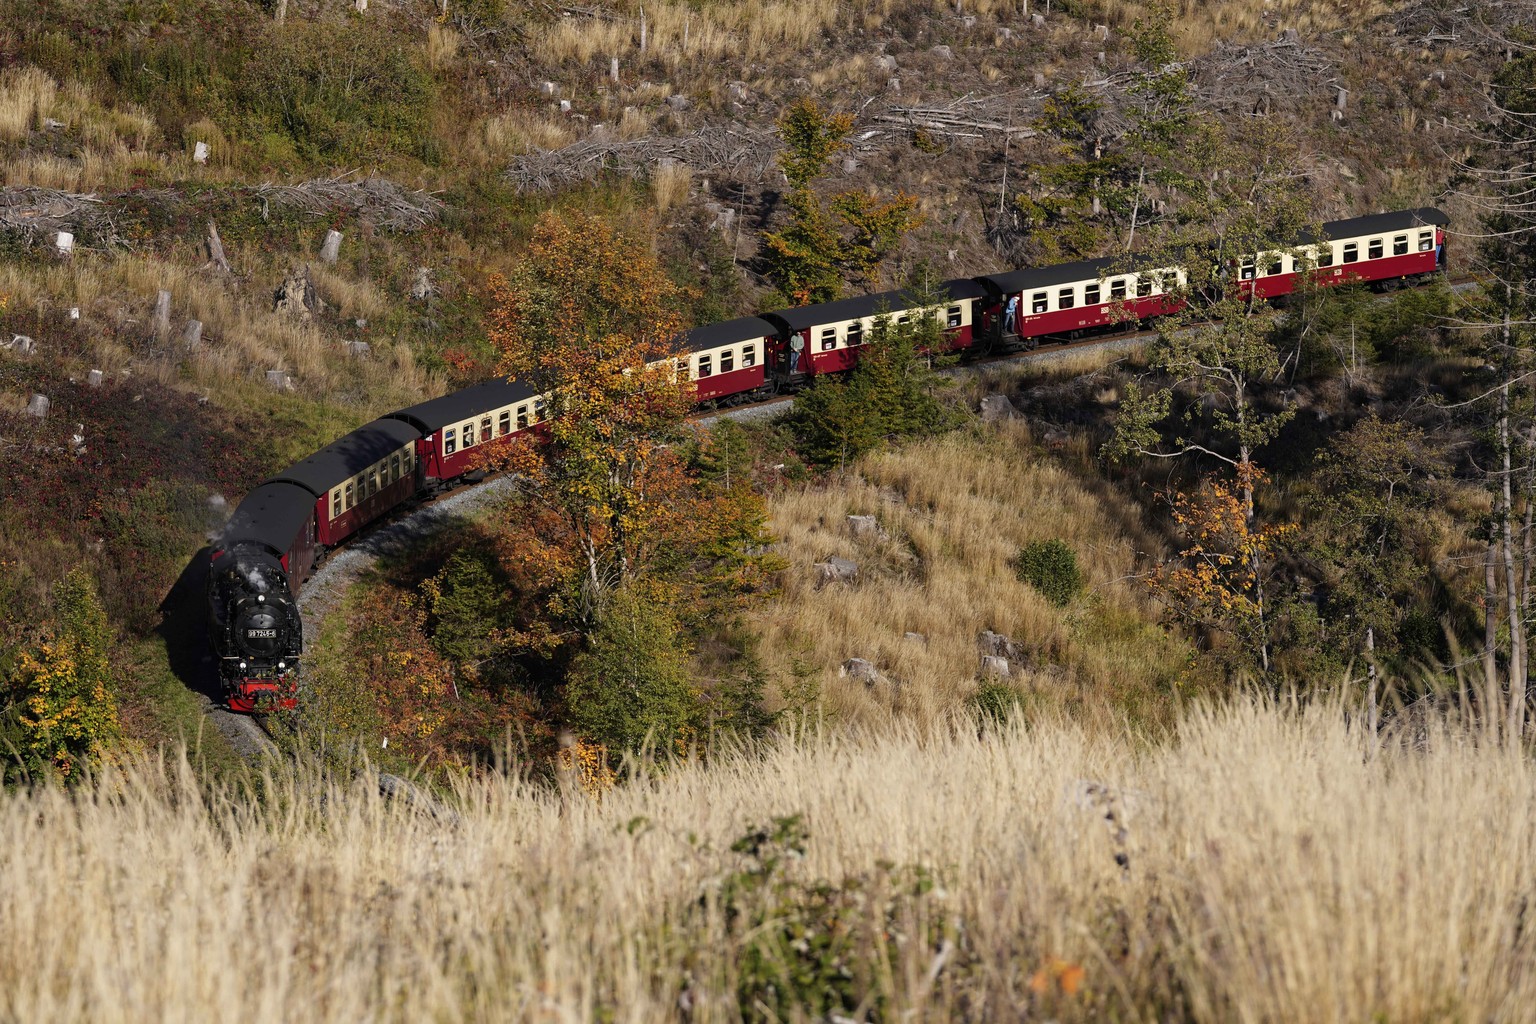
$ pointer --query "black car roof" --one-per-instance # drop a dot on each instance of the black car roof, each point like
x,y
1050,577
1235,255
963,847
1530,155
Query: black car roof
x,y
466,403
348,455
1026,278
798,318
273,516
1380,223
745,328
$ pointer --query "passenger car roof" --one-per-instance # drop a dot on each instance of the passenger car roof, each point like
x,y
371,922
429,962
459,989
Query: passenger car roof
x,y
746,328
798,318
349,454
466,403
273,516
1381,223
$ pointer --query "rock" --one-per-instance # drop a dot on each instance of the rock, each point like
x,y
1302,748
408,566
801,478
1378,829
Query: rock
x,y
1102,31
296,296
52,125
77,439
94,378
200,153
1037,20
359,349
917,638
894,85
38,406
861,670
565,106
22,345
968,21
885,62
422,287
997,407
999,646
1039,79
64,241
835,570
865,526
850,165
679,102
548,89
994,667
193,334
943,52
279,381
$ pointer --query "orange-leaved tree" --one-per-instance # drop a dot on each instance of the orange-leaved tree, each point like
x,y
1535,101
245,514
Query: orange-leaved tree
x,y
1215,581
590,319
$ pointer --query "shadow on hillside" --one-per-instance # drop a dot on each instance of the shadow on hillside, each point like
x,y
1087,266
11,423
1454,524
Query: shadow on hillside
x,y
184,628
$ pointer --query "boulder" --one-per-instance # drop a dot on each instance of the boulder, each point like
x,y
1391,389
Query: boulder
x,y
94,378
865,526
861,670
679,102
997,407
916,638
38,406
359,349
885,62
943,52
836,570
22,345
999,646
994,667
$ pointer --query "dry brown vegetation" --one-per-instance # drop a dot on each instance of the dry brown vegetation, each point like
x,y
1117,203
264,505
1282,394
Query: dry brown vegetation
x,y
1274,871
952,512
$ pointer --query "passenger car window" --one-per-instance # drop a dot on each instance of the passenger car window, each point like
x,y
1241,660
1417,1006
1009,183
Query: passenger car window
x,y
856,333
1091,294
828,338
1143,286
336,506
749,355
1039,302
727,360
1325,254
705,369
1351,252
1426,241
1375,249
1066,298
504,424
954,316
1400,245
351,494
1117,289
450,444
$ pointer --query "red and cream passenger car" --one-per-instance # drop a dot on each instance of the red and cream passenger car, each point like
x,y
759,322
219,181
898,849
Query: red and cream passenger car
x,y
456,426
357,478
1071,299
729,362
827,338
1385,249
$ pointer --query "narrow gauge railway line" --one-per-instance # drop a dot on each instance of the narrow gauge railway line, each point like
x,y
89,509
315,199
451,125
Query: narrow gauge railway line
x,y
281,531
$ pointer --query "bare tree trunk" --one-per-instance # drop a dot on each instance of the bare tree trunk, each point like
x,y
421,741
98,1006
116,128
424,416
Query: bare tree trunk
x,y
282,11
1372,704
216,249
1141,180
1491,621
1511,581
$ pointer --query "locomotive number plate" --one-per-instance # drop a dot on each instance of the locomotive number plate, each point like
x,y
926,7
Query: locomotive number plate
x,y
261,634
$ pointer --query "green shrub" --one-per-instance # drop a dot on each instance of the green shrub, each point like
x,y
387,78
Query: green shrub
x,y
995,702
1050,566
632,683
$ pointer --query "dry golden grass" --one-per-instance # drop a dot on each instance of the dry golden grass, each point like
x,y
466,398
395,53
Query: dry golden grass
x,y
678,31
1275,873
520,131
955,510
670,183
26,96
242,336
1199,24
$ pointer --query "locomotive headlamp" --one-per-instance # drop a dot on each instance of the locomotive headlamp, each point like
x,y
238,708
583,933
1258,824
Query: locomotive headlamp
x,y
261,598
242,666
282,666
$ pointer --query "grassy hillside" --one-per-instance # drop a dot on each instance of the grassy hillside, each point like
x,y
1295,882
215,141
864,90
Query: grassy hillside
x,y
1267,865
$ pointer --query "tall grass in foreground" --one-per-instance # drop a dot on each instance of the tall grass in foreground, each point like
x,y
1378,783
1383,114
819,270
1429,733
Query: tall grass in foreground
x,y
1273,871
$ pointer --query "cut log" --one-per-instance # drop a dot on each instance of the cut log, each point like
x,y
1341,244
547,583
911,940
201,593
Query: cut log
x,y
332,247
216,249
162,318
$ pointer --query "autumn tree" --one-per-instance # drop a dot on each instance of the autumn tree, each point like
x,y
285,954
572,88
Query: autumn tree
x,y
618,529
828,240
59,700
589,319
